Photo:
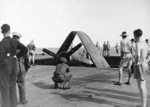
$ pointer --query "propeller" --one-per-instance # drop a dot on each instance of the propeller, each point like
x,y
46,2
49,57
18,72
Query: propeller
x,y
67,55
74,49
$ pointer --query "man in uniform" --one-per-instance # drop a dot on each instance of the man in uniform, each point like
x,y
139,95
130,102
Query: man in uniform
x,y
31,48
126,58
24,65
62,74
141,65
104,49
108,48
9,67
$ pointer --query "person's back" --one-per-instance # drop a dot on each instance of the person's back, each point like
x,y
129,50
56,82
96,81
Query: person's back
x,y
144,49
62,74
31,46
62,69
8,72
125,45
9,42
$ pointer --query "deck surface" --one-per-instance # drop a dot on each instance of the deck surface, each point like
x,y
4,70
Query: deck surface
x,y
91,87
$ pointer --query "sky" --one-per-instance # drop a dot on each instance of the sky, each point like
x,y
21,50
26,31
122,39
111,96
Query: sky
x,y
48,22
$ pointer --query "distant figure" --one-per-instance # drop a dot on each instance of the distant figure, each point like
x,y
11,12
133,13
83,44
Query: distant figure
x,y
31,48
126,58
24,65
62,74
117,49
147,41
71,47
98,46
141,66
84,53
108,48
104,49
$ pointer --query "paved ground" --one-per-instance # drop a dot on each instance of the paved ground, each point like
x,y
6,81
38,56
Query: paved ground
x,y
91,87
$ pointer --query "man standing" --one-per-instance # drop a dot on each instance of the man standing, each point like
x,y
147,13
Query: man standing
x,y
97,45
117,49
104,49
9,67
31,48
141,65
126,58
108,48
24,65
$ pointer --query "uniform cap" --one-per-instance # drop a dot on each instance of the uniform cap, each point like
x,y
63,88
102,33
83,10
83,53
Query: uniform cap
x,y
16,35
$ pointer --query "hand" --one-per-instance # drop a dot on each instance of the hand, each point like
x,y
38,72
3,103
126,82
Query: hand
x,y
139,63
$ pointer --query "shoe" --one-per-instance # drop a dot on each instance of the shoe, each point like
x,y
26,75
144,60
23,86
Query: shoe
x,y
24,102
66,88
128,83
117,83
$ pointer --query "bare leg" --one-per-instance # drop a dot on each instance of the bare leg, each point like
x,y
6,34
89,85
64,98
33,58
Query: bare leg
x,y
32,59
120,76
143,92
129,75
120,73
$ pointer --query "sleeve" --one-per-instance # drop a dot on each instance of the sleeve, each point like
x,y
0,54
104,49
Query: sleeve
x,y
22,48
34,47
26,62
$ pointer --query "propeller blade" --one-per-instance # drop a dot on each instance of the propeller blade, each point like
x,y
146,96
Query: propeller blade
x,y
50,53
73,50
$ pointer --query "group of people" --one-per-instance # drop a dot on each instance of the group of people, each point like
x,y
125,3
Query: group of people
x,y
15,61
135,56
106,49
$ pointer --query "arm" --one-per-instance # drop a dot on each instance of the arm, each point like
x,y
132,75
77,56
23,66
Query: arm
x,y
137,59
22,48
26,62
34,48
121,50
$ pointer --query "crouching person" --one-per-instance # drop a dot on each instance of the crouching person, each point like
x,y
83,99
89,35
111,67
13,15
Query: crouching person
x,y
62,74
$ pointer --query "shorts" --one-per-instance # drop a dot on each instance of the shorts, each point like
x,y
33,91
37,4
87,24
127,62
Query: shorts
x,y
141,71
126,60
58,78
31,52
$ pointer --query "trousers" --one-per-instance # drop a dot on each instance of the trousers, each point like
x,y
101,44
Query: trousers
x,y
8,75
21,82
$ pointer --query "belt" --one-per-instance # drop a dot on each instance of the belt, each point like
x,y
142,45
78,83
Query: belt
x,y
9,55
127,52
